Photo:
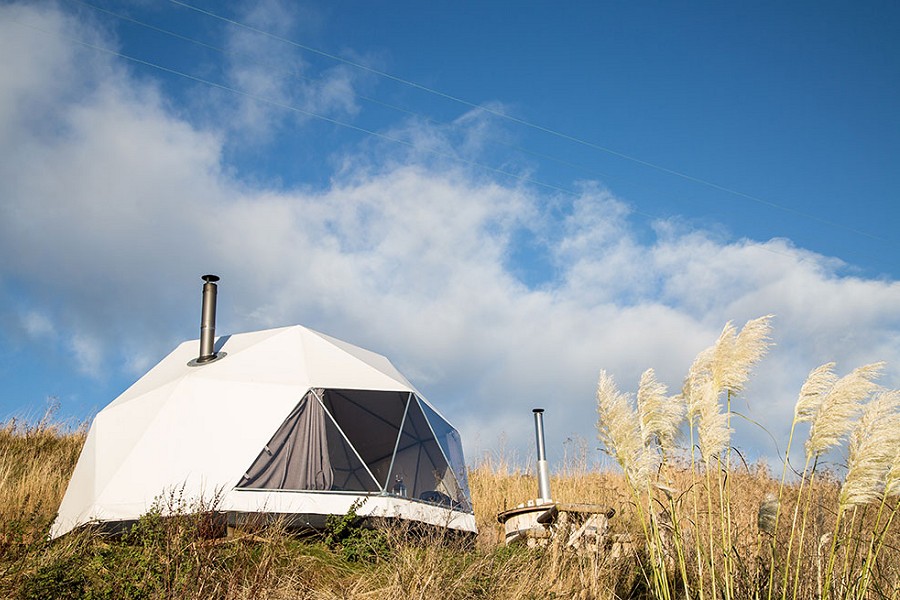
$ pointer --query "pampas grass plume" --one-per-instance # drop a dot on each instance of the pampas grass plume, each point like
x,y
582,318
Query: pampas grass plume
x,y
747,348
697,383
767,516
892,485
872,450
722,352
660,415
619,429
838,409
816,387
713,432
723,367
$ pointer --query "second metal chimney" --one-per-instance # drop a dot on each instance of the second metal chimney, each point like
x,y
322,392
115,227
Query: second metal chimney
x,y
542,467
208,320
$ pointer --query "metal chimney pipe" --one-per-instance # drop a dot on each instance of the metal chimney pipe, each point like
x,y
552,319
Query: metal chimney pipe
x,y
543,467
208,320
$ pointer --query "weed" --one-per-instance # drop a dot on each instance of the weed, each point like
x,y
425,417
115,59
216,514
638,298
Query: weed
x,y
356,542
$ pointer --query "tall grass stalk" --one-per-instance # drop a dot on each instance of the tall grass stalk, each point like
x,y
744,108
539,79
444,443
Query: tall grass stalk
x,y
876,543
691,394
812,393
879,531
660,416
871,450
721,369
832,406
628,434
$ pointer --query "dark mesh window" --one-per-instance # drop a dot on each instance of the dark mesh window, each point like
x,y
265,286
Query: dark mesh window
x,y
371,421
349,474
345,440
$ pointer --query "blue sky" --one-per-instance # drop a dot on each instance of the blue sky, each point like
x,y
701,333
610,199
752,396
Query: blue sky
x,y
504,199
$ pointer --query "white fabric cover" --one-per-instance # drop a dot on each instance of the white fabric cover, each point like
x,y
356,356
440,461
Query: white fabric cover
x,y
194,430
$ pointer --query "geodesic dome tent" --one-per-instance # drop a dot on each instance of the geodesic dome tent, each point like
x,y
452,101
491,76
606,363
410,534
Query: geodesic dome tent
x,y
286,421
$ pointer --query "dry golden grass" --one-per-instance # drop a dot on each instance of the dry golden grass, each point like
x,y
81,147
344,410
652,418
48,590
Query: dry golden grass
x,y
174,558
36,461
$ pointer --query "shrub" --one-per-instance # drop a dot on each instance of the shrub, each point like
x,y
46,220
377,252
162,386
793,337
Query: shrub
x,y
356,542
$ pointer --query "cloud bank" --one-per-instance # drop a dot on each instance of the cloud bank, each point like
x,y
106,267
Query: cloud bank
x,y
491,295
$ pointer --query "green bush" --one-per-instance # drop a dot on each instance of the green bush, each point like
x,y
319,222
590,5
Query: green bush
x,y
356,542
61,578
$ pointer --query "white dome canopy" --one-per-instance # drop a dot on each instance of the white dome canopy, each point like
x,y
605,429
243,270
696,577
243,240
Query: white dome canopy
x,y
286,420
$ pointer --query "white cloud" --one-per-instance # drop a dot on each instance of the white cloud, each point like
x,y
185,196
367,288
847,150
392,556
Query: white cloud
x,y
37,325
108,217
89,355
267,67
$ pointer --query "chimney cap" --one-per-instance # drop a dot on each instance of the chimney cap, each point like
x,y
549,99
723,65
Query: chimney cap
x,y
537,410
210,278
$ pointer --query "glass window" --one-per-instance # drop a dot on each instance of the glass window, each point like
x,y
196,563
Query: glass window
x,y
420,470
451,444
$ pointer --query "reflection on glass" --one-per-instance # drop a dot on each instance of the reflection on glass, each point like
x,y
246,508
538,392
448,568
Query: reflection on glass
x,y
451,444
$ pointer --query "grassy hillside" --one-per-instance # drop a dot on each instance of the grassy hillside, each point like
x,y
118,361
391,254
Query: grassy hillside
x,y
176,558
